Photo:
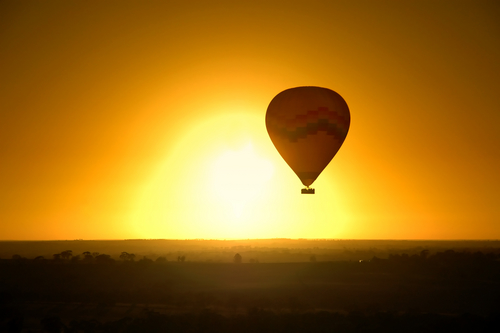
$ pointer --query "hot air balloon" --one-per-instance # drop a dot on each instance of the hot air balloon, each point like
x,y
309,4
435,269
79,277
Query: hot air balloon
x,y
307,125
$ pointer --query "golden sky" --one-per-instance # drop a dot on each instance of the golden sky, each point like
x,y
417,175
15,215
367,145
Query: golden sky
x,y
145,119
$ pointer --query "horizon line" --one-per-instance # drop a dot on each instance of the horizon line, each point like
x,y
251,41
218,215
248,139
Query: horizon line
x,y
252,239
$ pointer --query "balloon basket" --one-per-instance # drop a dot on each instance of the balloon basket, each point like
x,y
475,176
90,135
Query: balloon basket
x,y
307,190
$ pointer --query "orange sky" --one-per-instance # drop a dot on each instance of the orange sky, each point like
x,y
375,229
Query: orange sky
x,y
127,119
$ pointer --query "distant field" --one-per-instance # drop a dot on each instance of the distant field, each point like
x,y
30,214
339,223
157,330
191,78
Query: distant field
x,y
389,286
264,250
401,290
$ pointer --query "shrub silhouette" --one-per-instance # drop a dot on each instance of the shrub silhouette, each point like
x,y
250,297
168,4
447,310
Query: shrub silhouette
x,y
125,256
66,254
237,258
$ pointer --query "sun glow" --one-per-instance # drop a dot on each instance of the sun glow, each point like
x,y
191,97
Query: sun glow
x,y
239,177
215,183
225,180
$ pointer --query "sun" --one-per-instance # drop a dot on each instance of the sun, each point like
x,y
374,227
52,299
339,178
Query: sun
x,y
225,180
238,177
214,184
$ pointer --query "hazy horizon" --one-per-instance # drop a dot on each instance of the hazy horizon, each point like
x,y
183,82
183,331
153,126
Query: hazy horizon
x,y
243,239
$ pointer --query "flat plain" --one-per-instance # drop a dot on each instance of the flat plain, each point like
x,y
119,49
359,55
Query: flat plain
x,y
419,280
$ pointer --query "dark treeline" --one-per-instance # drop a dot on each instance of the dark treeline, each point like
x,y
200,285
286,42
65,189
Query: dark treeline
x,y
94,292
263,250
448,257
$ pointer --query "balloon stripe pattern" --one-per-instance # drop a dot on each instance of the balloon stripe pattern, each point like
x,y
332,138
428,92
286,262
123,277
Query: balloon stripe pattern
x,y
314,121
308,125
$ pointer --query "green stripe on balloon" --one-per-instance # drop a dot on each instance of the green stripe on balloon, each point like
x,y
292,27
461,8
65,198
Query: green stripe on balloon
x,y
312,129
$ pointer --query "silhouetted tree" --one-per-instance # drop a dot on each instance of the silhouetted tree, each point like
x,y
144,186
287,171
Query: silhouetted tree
x,y
312,258
237,258
161,259
424,254
103,259
87,256
66,254
125,256
57,256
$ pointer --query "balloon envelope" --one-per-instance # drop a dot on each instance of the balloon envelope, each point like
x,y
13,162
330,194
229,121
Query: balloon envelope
x,y
307,126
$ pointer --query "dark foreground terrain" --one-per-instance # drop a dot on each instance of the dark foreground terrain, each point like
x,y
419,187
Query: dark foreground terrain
x,y
447,291
279,286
